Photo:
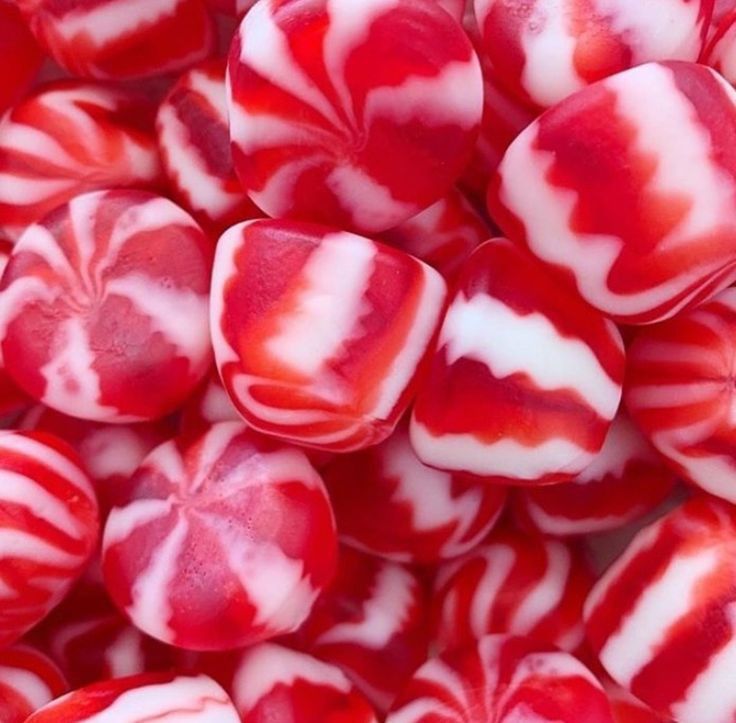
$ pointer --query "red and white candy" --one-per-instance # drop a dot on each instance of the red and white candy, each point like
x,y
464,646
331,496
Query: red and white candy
x,y
318,334
227,539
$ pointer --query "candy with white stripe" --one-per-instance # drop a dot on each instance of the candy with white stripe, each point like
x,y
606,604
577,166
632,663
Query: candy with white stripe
x,y
526,379
21,52
319,334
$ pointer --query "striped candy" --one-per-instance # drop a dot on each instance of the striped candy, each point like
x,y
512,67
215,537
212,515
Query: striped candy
x,y
103,307
679,391
273,683
502,679
227,540
48,527
657,141
371,623
164,698
544,50
388,503
21,55
626,480
110,40
318,334
661,618
526,378
354,115
514,583
193,137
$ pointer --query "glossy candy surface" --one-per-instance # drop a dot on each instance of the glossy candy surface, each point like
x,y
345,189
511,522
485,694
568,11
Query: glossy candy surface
x,y
103,307
563,182
353,115
318,334
526,378
227,540
21,55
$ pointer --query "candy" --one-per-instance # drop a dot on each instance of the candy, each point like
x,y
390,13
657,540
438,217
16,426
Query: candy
x,y
103,307
104,40
515,584
273,683
48,527
67,138
227,540
627,709
28,680
545,50
143,698
371,623
721,51
526,378
319,334
208,405
504,679
388,503
626,480
354,115
22,57
657,141
195,149
678,390
661,618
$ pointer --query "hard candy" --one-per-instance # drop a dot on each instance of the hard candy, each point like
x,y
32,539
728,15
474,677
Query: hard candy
x,y
22,56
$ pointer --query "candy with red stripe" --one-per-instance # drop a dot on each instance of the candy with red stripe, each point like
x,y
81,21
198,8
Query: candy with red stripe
x,y
657,140
67,138
194,140
104,307
505,679
106,40
372,623
526,379
678,390
22,55
626,480
48,527
318,334
514,583
356,115
628,709
661,618
160,697
390,504
227,539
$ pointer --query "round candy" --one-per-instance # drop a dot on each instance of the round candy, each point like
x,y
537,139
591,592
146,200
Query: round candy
x,y
318,334
526,378
390,504
354,115
21,55
625,481
227,539
102,39
194,140
661,618
142,699
544,50
28,681
657,141
104,307
372,623
273,683
679,391
505,680
513,583
48,527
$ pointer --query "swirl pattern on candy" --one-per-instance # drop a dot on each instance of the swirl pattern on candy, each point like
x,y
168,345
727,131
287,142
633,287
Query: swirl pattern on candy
x,y
70,137
526,378
103,307
48,527
22,57
227,540
354,115
319,334
669,163
390,504
503,679
661,618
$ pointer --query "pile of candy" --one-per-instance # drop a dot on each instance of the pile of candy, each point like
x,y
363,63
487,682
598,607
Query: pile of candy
x,y
368,360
